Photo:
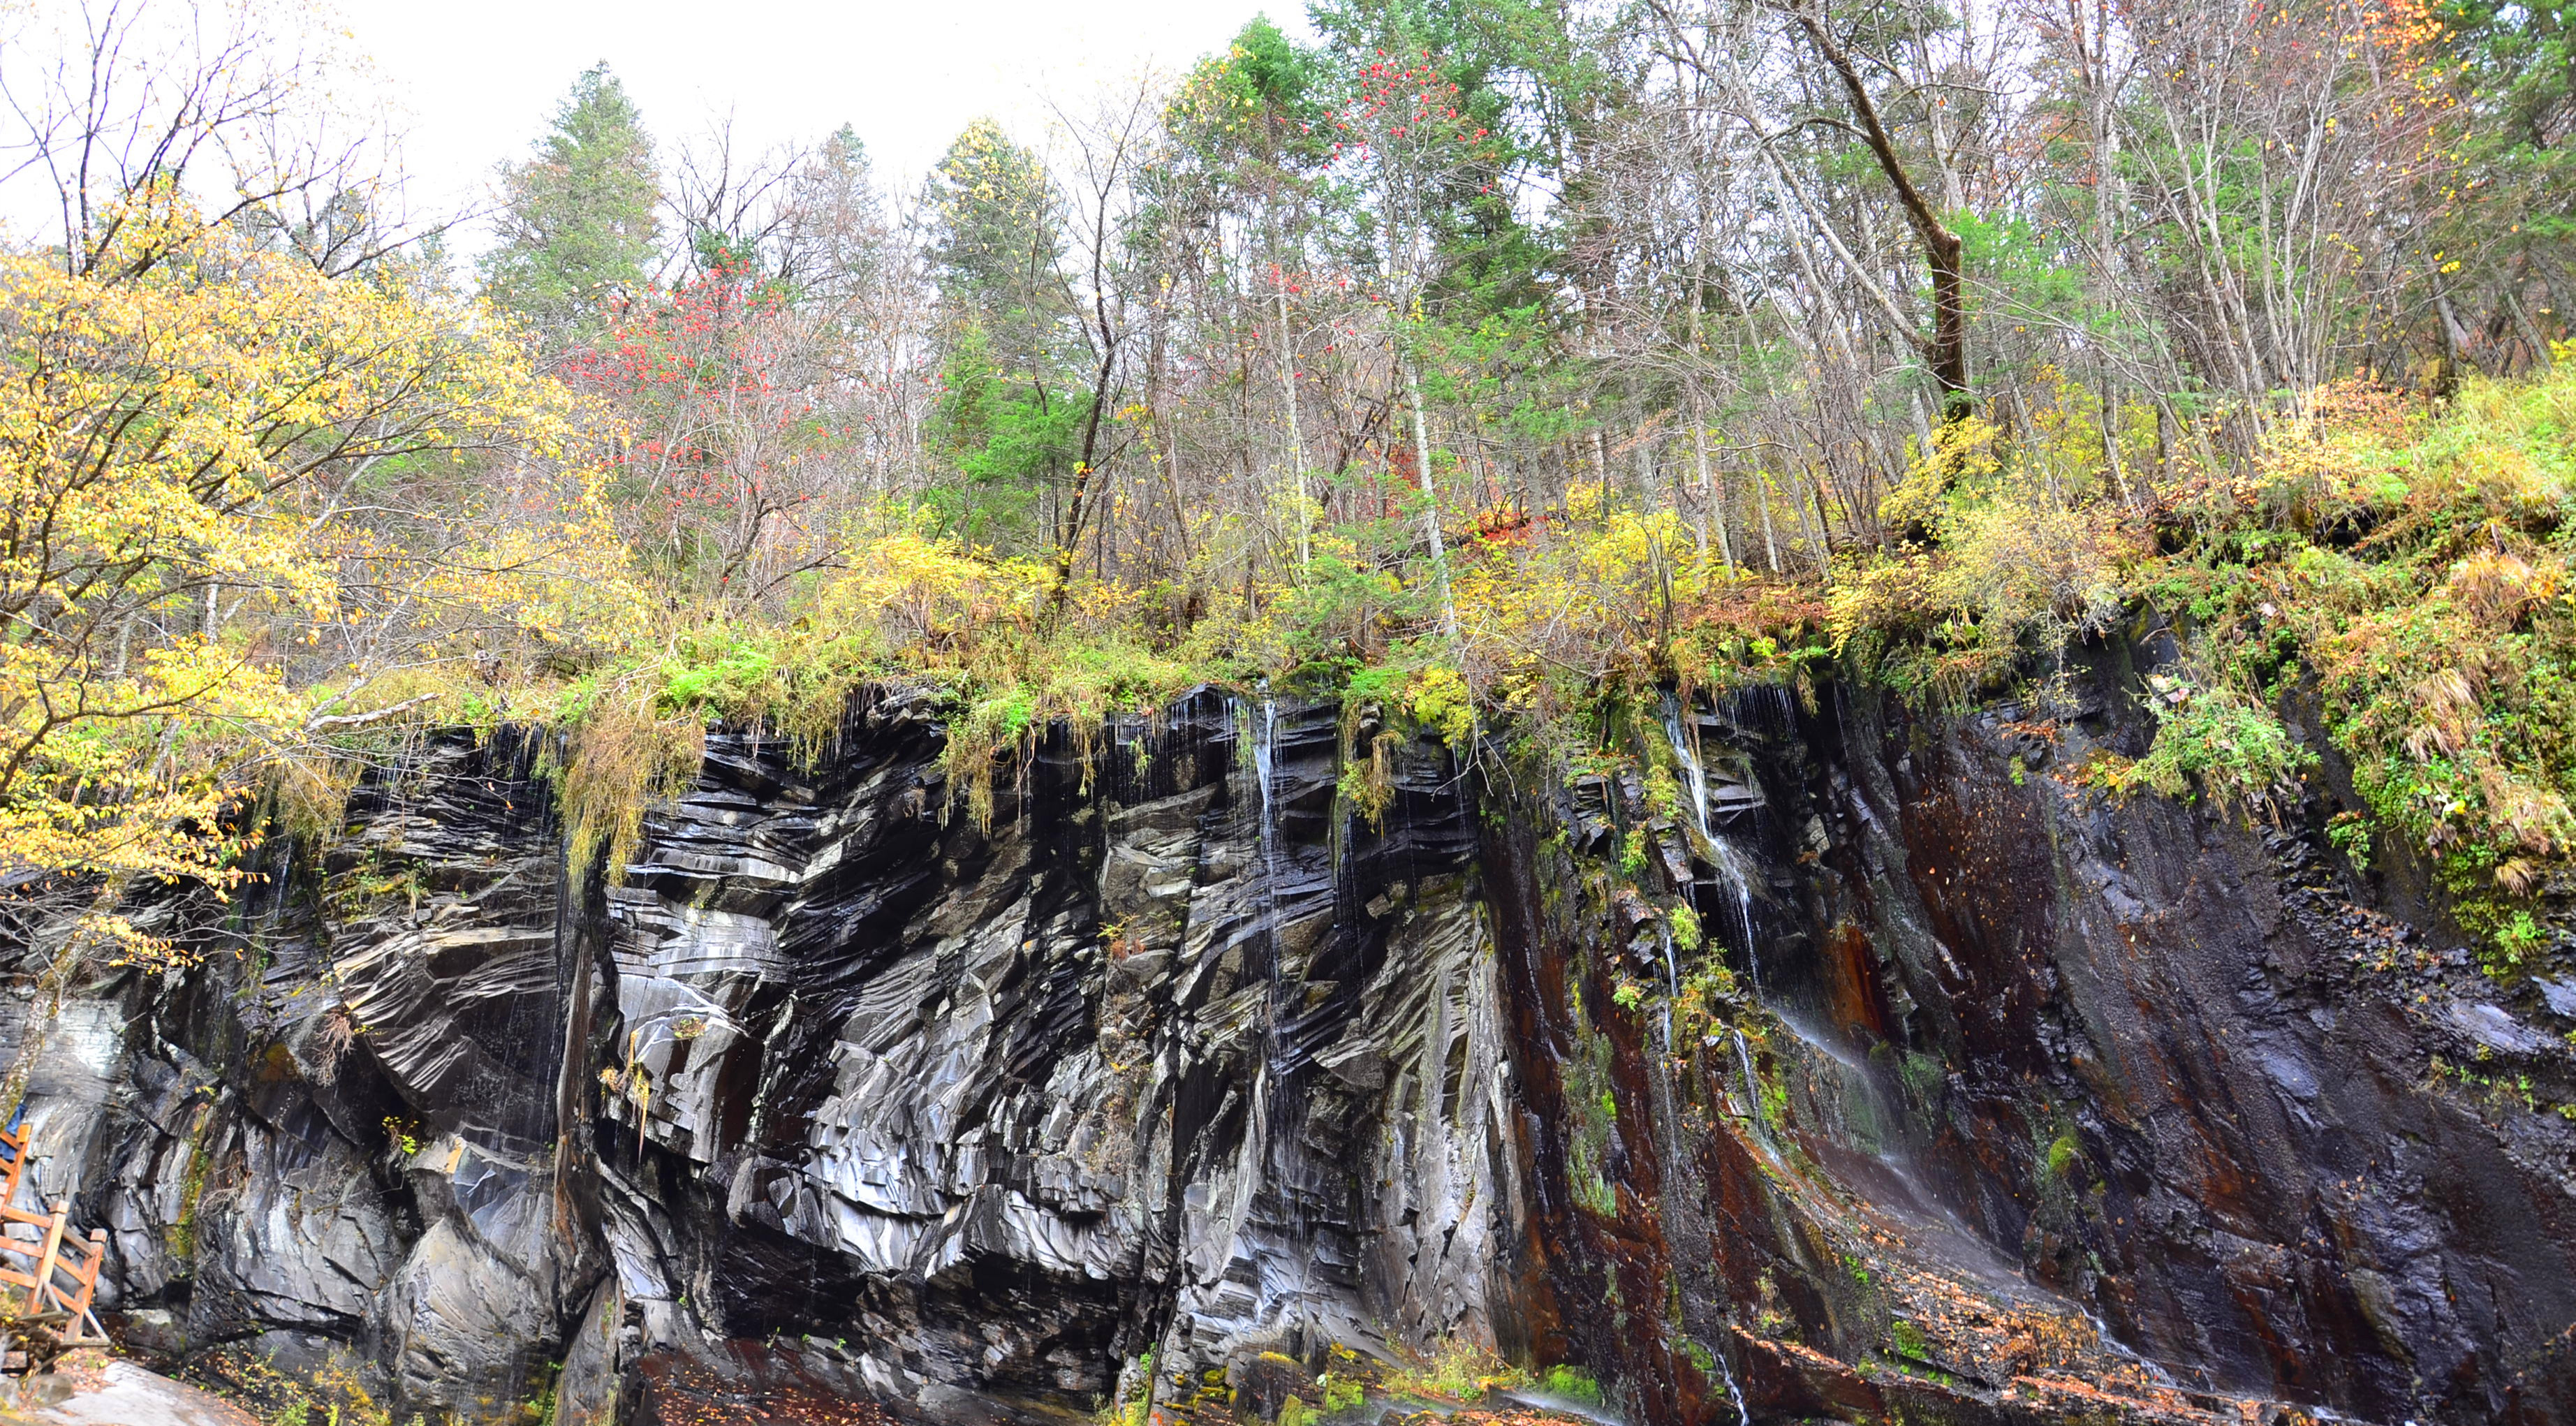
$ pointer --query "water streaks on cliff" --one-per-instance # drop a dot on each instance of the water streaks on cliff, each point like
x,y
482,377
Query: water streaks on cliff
x,y
1185,1084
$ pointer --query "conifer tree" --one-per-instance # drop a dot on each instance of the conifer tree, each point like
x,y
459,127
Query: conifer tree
x,y
1010,417
578,224
997,237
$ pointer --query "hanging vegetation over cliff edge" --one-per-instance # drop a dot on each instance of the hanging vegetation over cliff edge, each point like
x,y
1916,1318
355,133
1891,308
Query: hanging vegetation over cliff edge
x,y
1484,364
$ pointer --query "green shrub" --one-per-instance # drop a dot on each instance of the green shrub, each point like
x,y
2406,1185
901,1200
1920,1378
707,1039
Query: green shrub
x,y
1572,1384
2219,743
2516,944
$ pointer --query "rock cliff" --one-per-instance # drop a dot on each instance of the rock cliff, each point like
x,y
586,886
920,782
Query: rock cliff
x,y
1774,1059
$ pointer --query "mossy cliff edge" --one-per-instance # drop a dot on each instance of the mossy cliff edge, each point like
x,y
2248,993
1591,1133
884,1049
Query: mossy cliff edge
x,y
1796,1052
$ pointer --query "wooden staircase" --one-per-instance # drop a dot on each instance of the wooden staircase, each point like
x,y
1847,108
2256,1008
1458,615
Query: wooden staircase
x,y
47,1280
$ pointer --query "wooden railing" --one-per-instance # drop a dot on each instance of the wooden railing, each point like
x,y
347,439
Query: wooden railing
x,y
49,1279
13,1156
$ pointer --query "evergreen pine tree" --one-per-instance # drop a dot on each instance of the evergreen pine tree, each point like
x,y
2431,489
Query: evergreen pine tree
x,y
578,222
997,235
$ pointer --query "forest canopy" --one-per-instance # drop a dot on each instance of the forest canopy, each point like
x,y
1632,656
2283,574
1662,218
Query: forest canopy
x,y
1493,361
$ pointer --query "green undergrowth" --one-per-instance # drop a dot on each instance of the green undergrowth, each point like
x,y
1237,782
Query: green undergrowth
x,y
2397,576
2402,573
1571,1383
2407,573
637,727
1452,1370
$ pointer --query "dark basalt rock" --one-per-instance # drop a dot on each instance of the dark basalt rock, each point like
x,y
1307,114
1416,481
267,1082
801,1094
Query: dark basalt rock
x,y
2024,1104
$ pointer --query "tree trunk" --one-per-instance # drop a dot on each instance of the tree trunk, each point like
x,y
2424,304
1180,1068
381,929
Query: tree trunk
x,y
1296,431
1431,503
1946,353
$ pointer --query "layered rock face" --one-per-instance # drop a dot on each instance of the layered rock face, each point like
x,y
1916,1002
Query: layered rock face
x,y
2040,1080
1783,1060
1170,1057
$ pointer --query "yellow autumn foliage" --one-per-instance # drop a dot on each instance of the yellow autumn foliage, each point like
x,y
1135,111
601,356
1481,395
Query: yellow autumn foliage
x,y
1592,602
2007,566
197,571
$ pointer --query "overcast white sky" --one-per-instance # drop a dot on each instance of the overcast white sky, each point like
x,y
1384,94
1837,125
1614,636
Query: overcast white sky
x,y
479,78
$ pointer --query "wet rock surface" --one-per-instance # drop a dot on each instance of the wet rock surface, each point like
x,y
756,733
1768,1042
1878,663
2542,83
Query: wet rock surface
x,y
1803,1061
86,1392
2050,1088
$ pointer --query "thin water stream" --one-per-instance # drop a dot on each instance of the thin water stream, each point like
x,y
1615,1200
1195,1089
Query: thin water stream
x,y
1669,1131
1863,1098
1686,751
1273,1112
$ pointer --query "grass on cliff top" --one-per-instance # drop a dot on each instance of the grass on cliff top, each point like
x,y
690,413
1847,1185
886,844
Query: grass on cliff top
x,y
1600,600
2409,568
2404,568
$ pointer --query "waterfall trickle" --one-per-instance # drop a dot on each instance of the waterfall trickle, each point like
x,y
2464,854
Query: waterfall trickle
x,y
1731,870
1734,1393
1752,1082
1272,1144
1866,1113
1686,751
1262,742
2125,1352
1721,853
1672,983
1669,1121
1263,733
